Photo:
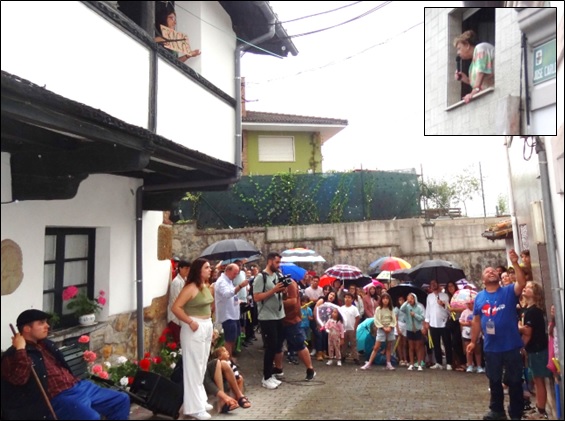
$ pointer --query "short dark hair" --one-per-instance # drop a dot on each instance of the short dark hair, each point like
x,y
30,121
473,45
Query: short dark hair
x,y
273,255
525,252
184,264
348,294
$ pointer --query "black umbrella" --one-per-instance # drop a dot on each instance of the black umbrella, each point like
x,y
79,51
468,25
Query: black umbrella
x,y
359,282
405,289
229,249
442,271
402,275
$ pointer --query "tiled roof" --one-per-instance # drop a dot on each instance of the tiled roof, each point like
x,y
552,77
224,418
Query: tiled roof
x,y
275,118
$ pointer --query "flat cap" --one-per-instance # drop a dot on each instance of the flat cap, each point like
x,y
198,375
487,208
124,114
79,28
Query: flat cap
x,y
31,315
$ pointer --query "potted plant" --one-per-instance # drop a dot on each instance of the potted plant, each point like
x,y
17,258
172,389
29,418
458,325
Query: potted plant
x,y
83,307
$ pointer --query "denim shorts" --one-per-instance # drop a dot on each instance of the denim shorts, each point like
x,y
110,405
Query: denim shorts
x,y
232,330
294,335
537,363
382,336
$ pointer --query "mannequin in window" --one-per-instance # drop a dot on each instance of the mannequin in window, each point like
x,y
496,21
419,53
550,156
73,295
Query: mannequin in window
x,y
165,15
481,70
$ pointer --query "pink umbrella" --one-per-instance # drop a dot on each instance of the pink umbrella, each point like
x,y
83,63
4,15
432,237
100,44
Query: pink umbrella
x,y
373,283
461,298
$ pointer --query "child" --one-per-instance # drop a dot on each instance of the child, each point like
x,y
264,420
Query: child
x,y
465,320
401,333
307,316
222,354
385,320
414,317
336,332
351,319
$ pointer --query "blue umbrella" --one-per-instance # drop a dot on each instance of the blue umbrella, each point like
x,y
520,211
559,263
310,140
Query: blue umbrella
x,y
296,272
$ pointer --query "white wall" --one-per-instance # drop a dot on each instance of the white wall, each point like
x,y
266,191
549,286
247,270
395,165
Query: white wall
x,y
104,202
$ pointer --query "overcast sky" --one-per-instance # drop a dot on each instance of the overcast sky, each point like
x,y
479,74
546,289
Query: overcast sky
x,y
370,72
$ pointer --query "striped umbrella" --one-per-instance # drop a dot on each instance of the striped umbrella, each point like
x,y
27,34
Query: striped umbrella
x,y
301,255
345,272
389,263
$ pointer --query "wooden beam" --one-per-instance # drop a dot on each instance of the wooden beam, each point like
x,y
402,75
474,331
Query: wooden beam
x,y
46,188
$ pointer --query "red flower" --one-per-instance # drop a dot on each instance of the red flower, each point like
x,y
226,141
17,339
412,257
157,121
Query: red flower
x,y
69,293
147,354
144,364
162,339
166,331
157,360
84,339
172,345
130,379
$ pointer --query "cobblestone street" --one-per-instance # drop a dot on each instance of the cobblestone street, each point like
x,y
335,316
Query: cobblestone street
x,y
349,393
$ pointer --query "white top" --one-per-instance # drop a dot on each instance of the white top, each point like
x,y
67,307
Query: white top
x,y
227,303
314,294
242,294
176,287
349,315
437,315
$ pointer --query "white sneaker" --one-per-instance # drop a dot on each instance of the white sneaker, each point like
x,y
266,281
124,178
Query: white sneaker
x,y
410,367
366,366
208,407
420,368
480,370
436,366
269,384
470,369
313,352
390,367
202,415
448,367
275,380
339,363
330,362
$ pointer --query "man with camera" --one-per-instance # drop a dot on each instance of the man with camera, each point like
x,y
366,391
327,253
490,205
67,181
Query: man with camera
x,y
292,327
267,293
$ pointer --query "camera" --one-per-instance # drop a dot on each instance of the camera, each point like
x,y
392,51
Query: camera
x,y
285,279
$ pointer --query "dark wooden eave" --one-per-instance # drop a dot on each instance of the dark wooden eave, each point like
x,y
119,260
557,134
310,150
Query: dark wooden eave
x,y
55,143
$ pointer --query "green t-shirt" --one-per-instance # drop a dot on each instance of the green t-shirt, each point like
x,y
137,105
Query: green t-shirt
x,y
271,308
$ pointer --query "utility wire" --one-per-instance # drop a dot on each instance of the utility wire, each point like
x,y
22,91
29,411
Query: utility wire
x,y
322,13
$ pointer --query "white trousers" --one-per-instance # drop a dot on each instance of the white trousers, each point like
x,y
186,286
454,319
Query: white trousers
x,y
195,353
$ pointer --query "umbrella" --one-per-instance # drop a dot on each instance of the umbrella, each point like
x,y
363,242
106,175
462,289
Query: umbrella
x,y
442,271
401,275
405,289
373,283
301,255
359,282
324,312
389,263
326,280
296,272
229,249
344,272
385,275
245,260
461,297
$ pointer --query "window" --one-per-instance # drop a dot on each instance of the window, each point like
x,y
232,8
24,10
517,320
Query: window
x,y
69,260
276,149
480,20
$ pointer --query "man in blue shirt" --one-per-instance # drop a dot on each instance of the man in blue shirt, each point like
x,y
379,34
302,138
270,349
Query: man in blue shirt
x,y
495,315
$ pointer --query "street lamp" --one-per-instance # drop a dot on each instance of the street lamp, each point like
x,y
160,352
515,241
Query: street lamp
x,y
428,227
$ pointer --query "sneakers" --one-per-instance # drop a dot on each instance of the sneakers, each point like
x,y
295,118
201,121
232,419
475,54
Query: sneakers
x,y
313,352
535,415
269,383
492,415
276,381
436,366
480,370
420,368
202,415
208,407
278,372
389,367
366,366
448,367
410,367
310,374
339,363
470,369
330,362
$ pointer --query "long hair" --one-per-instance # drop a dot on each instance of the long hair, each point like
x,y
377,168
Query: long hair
x,y
162,10
449,294
385,294
194,276
538,294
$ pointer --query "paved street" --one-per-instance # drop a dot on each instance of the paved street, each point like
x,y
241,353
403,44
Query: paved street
x,y
350,393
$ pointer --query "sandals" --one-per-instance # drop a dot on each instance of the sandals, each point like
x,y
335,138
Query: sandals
x,y
227,408
244,402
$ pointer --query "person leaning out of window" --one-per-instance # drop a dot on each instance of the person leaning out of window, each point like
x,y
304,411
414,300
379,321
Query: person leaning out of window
x,y
481,70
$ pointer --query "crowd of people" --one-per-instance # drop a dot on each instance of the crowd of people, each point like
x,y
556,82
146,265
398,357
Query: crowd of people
x,y
215,310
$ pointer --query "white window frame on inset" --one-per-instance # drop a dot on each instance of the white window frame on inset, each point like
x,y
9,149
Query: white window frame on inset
x,y
276,149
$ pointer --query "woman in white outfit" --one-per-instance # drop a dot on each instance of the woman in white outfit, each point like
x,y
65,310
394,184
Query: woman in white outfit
x,y
193,309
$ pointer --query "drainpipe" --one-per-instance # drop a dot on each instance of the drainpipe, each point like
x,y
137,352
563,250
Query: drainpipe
x,y
557,292
515,232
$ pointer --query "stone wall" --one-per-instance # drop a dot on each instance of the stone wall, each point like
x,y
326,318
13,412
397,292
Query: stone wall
x,y
360,243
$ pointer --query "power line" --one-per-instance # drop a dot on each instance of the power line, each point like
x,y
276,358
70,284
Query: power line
x,y
322,13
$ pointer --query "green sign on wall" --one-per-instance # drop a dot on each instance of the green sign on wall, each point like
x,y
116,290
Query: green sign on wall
x,y
545,64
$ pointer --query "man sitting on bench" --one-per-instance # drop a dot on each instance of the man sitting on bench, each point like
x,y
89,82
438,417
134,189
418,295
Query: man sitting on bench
x,y
23,397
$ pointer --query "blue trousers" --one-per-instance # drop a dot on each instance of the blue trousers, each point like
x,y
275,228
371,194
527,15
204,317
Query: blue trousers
x,y
511,363
87,401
